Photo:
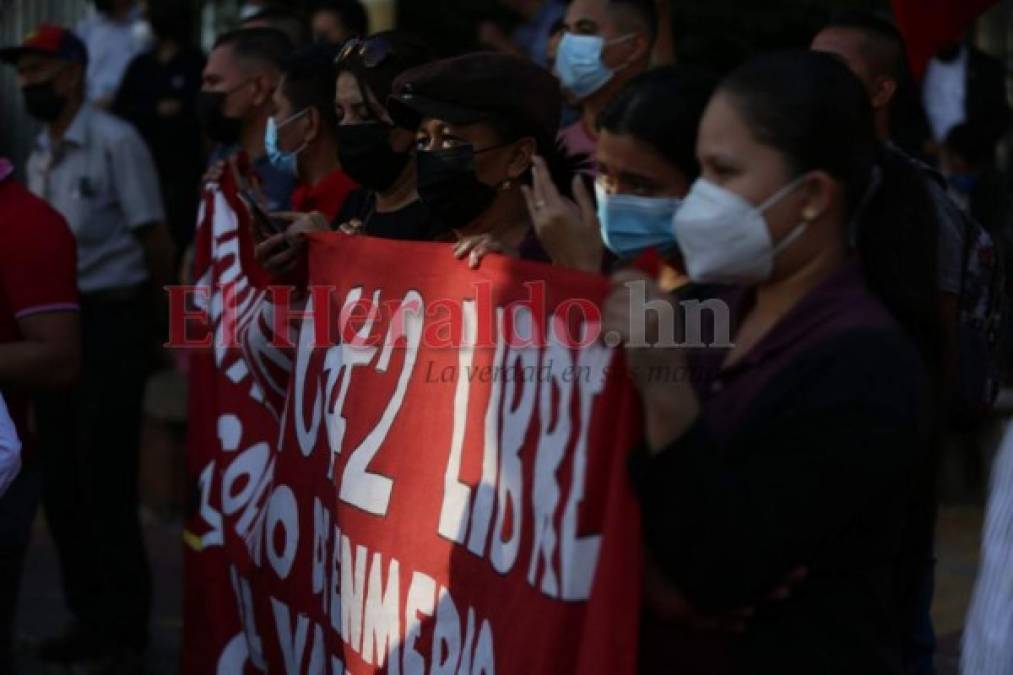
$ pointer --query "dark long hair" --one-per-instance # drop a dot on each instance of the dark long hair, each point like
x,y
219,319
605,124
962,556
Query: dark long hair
x,y
405,52
813,110
662,108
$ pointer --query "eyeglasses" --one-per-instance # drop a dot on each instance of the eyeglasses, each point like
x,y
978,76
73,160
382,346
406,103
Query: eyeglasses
x,y
371,51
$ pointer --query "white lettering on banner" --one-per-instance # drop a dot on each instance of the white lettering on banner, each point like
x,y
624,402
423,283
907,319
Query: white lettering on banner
x,y
247,619
306,434
360,488
240,314
469,638
374,611
291,639
481,512
552,441
457,495
380,624
317,661
446,636
321,533
516,420
215,536
342,360
282,511
421,601
353,582
334,601
579,555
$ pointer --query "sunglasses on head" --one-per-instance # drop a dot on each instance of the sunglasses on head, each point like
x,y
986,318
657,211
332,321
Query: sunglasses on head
x,y
371,52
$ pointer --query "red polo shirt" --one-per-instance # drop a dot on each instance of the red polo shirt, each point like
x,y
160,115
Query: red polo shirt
x,y
327,196
38,271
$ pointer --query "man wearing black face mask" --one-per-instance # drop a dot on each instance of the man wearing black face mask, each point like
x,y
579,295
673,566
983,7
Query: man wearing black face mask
x,y
159,96
236,101
95,170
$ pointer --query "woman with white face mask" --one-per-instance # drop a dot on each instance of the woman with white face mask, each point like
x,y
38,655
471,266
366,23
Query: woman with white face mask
x,y
794,448
646,159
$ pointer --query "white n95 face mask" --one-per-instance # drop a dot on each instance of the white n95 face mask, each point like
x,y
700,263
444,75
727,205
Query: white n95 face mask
x,y
724,239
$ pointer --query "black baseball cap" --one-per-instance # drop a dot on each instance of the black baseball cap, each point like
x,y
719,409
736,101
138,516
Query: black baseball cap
x,y
479,87
49,40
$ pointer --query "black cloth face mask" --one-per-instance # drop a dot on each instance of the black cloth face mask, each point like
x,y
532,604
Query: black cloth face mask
x,y
42,101
449,186
218,127
366,156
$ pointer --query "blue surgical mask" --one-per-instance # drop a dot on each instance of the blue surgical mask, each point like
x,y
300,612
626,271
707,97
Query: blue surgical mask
x,y
631,224
285,162
579,65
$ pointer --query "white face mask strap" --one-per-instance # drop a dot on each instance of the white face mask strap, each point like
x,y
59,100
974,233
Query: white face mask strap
x,y
291,118
792,237
617,41
799,229
781,194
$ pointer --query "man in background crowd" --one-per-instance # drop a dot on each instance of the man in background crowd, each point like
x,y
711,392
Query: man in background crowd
x,y
606,43
964,85
236,101
302,134
95,170
531,37
288,21
335,21
113,37
159,96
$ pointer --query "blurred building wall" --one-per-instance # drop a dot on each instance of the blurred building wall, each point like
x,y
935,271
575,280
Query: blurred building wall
x,y
18,18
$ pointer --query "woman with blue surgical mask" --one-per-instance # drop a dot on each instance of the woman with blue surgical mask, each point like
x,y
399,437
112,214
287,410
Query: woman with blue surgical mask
x,y
785,445
646,163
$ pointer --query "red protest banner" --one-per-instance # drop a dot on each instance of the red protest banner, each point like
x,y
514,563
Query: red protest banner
x,y
450,495
237,390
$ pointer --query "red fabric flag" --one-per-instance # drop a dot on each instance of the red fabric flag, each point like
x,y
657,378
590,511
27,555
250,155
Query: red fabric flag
x,y
237,393
446,488
928,25
448,499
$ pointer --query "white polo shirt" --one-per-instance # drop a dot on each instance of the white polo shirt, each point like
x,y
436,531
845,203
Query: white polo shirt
x,y
112,45
102,179
10,449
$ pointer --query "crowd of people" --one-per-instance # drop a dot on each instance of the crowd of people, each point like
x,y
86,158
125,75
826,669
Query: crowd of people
x,y
787,488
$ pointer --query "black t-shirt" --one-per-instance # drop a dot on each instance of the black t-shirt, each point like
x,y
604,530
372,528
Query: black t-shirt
x,y
175,140
413,222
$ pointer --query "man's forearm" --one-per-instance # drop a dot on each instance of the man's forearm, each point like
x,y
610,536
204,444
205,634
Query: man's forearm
x,y
38,365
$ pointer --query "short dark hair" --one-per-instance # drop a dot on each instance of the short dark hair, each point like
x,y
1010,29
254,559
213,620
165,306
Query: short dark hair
x,y
352,14
885,49
289,22
643,12
663,108
309,81
264,46
172,19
